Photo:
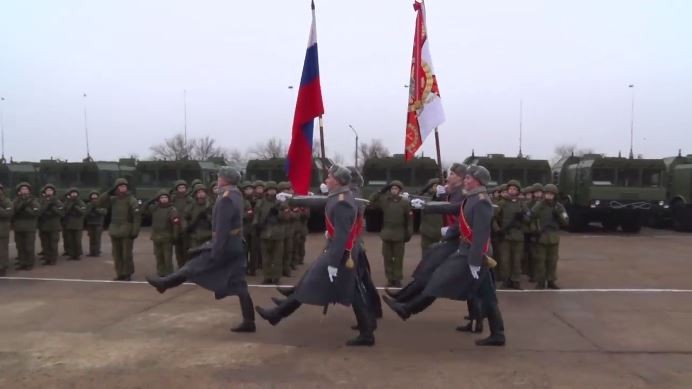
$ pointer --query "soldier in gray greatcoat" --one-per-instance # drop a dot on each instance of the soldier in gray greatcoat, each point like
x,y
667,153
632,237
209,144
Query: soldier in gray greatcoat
x,y
219,265
465,274
332,278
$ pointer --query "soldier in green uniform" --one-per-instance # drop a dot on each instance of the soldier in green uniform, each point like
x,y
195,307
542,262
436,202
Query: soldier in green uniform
x,y
6,212
65,240
248,214
397,228
301,230
547,216
126,220
255,241
165,228
75,211
25,222
526,261
181,201
289,230
269,218
430,223
212,193
511,216
94,224
198,215
50,224
537,191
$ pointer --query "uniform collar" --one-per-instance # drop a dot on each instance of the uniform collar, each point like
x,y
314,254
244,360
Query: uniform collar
x,y
479,190
335,192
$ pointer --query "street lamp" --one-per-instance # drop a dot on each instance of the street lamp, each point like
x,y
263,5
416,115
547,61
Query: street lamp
x,y
354,131
2,127
631,86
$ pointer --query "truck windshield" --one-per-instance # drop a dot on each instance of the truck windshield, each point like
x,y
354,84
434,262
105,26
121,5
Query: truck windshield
x,y
651,178
628,177
601,176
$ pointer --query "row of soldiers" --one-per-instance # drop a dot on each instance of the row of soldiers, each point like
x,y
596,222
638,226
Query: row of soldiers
x,y
49,216
525,237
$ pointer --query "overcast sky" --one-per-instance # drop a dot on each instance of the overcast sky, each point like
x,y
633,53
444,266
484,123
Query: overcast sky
x,y
570,61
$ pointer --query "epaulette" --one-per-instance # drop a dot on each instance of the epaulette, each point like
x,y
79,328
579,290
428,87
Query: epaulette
x,y
341,197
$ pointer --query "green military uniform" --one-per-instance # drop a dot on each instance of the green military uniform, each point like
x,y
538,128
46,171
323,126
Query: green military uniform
x,y
126,220
50,224
165,228
269,218
512,224
198,218
526,261
248,216
255,241
547,216
289,221
94,224
75,212
430,223
212,193
182,242
537,195
25,224
301,229
397,228
6,212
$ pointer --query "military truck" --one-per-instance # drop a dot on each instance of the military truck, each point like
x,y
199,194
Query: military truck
x,y
678,193
414,175
12,173
502,169
274,169
615,191
152,176
86,176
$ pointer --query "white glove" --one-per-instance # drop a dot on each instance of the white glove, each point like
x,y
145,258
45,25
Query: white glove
x,y
326,235
418,203
310,194
281,197
474,271
441,189
443,230
332,271
323,188
405,195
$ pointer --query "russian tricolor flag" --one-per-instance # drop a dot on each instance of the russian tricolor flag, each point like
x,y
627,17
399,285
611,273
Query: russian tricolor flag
x,y
308,108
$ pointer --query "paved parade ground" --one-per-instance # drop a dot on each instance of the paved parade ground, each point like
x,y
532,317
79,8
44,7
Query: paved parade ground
x,y
624,320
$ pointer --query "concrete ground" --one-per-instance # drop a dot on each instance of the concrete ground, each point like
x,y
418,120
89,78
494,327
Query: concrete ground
x,y
72,332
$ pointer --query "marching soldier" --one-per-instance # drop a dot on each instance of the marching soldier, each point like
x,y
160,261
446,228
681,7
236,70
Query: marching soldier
x,y
94,222
332,277
199,217
181,201
25,222
511,216
248,215
289,230
269,220
165,228
6,212
220,265
50,224
547,216
75,210
430,224
397,228
126,220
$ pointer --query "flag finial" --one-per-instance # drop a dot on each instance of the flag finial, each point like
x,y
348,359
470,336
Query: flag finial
x,y
312,5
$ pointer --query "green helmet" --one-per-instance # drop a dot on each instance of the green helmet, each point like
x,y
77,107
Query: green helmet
x,y
284,185
514,183
195,182
73,189
270,185
502,187
93,192
162,192
259,183
550,188
121,181
180,182
213,184
246,184
526,189
199,187
396,183
537,187
48,186
20,185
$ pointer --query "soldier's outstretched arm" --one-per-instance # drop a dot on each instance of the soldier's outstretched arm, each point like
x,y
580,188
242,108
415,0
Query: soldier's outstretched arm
x,y
343,216
308,201
482,216
442,207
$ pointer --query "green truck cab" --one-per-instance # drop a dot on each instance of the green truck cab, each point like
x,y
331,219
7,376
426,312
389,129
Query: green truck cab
x,y
274,169
413,174
679,192
153,176
615,191
86,176
502,169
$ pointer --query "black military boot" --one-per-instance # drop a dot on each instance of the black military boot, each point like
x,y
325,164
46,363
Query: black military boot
x,y
366,325
286,291
540,285
163,283
408,292
553,285
248,323
415,305
397,307
277,301
497,327
274,316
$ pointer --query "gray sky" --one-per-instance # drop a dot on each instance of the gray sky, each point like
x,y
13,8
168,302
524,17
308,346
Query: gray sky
x,y
571,62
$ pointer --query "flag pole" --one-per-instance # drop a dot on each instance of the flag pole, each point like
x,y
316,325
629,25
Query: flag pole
x,y
323,156
439,158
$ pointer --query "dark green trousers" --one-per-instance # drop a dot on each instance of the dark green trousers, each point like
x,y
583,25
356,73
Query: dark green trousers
x,y
122,256
546,262
73,242
50,243
163,251
94,231
511,253
393,256
25,242
272,258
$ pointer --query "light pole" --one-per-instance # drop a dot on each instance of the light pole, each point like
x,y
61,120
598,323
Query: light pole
x,y
632,125
354,131
86,129
2,127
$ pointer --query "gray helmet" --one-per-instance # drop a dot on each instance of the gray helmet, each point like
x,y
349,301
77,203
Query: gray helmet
x,y
459,169
230,174
479,173
342,174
